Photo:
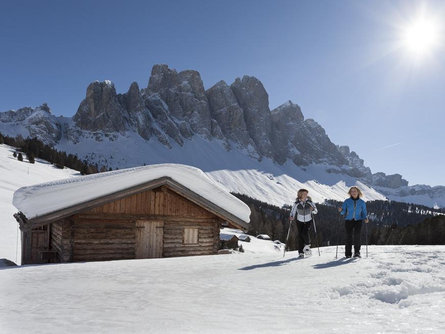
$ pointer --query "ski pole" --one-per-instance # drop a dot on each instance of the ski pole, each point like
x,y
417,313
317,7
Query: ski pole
x,y
316,234
287,238
366,233
338,238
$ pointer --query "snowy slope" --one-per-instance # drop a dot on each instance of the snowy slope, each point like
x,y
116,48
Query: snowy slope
x,y
13,175
398,289
235,169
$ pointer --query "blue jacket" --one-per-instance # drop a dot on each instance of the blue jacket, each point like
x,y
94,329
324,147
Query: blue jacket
x,y
351,211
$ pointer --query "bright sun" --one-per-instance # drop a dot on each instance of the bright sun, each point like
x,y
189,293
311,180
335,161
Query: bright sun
x,y
421,36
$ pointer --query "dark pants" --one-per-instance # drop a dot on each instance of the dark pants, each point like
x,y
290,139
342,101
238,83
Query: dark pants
x,y
353,227
303,234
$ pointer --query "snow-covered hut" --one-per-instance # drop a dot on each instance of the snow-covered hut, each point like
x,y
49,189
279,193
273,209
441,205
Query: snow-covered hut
x,y
152,211
228,241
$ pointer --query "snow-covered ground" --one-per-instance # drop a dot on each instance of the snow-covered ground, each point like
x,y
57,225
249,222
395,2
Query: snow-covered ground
x,y
398,289
14,175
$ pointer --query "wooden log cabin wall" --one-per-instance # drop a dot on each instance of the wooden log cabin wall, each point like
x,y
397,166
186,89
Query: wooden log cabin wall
x,y
151,223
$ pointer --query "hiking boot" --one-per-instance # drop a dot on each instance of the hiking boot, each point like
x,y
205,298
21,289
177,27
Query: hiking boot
x,y
357,255
301,255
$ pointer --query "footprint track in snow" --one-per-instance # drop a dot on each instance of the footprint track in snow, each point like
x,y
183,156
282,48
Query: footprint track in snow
x,y
396,281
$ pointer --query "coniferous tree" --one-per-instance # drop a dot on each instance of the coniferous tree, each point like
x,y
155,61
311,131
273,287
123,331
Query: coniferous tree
x,y
20,157
30,157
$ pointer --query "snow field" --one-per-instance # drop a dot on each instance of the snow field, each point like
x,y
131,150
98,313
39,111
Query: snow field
x,y
13,175
395,290
255,245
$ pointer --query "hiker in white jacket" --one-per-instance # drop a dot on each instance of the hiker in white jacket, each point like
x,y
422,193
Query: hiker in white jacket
x,y
302,212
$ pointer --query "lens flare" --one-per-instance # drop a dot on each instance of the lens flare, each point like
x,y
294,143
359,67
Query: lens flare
x,y
421,36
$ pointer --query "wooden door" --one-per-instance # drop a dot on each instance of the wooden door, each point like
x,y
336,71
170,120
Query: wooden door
x,y
149,239
39,242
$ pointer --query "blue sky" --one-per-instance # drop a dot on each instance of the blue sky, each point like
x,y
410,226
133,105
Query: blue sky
x,y
341,61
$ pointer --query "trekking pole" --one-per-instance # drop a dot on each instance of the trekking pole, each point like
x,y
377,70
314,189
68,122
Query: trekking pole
x,y
338,238
366,237
287,238
316,234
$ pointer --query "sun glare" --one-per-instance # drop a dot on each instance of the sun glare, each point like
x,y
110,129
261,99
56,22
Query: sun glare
x,y
421,36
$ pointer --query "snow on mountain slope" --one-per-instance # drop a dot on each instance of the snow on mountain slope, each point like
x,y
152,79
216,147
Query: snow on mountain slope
x,y
147,144
13,175
398,289
235,169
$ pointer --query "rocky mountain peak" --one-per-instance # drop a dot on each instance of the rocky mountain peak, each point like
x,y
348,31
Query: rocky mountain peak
x,y
185,97
101,110
133,99
161,76
254,100
45,108
288,112
228,114
390,181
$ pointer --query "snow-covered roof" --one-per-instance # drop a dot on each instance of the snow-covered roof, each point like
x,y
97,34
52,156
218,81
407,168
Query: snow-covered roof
x,y
226,237
42,199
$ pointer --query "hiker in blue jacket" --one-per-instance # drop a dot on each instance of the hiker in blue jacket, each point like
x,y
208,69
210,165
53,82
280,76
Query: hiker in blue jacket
x,y
354,211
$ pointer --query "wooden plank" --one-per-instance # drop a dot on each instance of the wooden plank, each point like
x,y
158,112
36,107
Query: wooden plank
x,y
140,248
103,257
131,217
160,196
99,249
188,253
200,245
152,203
116,242
132,206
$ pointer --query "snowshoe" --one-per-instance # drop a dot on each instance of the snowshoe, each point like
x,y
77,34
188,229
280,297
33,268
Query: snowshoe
x,y
301,255
307,250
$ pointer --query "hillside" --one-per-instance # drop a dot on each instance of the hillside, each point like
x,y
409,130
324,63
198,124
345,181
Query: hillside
x,y
15,174
395,290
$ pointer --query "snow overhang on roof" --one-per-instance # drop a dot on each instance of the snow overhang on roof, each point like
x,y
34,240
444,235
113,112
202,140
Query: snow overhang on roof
x,y
44,199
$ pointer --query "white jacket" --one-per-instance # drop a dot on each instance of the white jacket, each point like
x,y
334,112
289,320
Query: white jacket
x,y
301,211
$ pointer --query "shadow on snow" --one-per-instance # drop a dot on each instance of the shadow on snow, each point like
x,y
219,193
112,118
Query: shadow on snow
x,y
270,264
334,263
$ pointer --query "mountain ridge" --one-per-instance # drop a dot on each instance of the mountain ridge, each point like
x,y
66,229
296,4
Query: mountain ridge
x,y
175,109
